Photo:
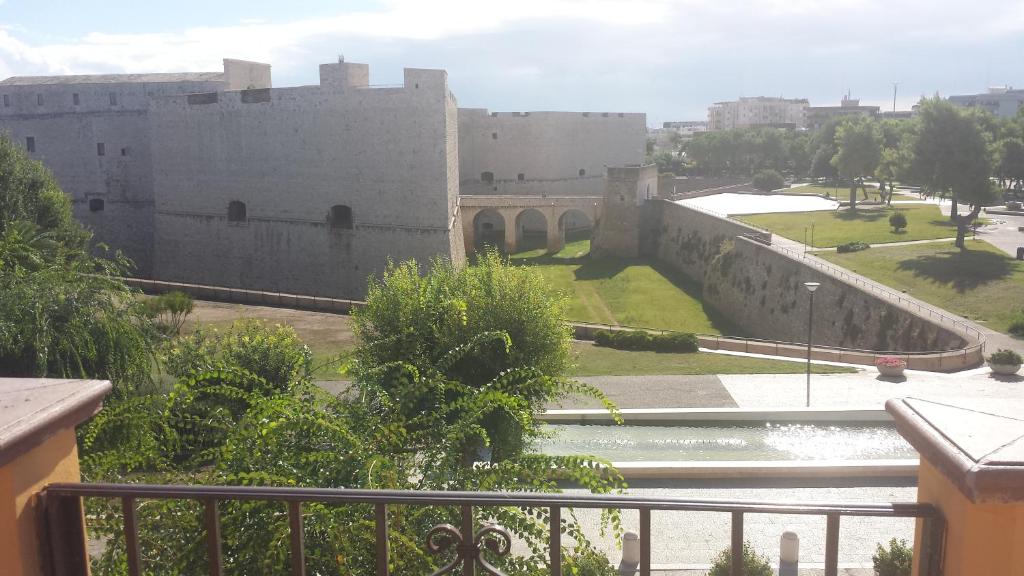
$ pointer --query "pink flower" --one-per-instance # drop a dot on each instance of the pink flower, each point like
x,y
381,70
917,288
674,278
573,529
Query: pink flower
x,y
891,362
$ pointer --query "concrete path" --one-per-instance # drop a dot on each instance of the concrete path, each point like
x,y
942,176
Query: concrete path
x,y
886,244
654,392
1003,233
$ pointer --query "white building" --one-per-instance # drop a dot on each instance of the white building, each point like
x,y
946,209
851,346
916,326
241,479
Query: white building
x,y
757,111
1003,102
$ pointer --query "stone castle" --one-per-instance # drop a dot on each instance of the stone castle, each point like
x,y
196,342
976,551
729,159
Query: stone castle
x,y
218,178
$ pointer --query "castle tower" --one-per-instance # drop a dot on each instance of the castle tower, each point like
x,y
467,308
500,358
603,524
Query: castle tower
x,y
617,233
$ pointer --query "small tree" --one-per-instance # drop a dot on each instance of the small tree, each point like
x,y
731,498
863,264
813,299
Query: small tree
x,y
894,560
898,221
859,143
951,158
768,180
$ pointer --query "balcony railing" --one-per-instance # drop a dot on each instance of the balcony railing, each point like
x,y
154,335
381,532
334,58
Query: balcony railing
x,y
68,556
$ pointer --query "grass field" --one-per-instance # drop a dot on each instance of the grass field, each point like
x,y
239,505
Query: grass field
x,y
982,283
870,225
628,293
327,335
594,360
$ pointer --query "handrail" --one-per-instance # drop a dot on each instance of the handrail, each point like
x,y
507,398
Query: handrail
x,y
63,505
457,498
875,287
719,337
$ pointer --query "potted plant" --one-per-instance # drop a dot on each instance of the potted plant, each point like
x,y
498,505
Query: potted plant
x,y
890,365
1004,362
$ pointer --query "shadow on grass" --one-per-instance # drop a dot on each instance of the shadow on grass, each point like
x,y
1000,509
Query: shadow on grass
x,y
862,215
963,270
695,291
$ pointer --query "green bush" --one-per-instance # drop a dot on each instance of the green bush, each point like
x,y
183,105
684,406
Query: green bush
x,y
894,560
272,353
638,340
1005,357
169,311
898,221
753,563
1017,325
855,246
768,180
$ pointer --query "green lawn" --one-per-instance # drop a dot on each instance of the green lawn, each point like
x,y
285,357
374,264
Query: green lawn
x,y
624,292
871,225
594,360
982,283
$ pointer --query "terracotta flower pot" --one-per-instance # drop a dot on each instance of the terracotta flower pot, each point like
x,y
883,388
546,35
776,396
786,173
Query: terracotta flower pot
x,y
891,371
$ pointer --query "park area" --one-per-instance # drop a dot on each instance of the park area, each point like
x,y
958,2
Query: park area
x,y
980,283
868,224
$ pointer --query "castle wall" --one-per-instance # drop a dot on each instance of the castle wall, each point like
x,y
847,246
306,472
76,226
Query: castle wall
x,y
548,148
762,289
290,154
66,138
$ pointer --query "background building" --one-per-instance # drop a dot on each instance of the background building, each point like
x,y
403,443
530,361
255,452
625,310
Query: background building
x,y
1003,102
757,111
818,116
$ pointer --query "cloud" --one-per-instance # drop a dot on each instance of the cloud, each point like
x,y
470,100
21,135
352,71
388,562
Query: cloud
x,y
669,57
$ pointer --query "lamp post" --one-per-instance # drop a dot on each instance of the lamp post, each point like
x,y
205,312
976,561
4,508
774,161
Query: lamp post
x,y
811,287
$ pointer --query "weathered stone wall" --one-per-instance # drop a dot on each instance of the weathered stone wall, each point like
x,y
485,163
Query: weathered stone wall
x,y
548,148
688,239
762,289
388,154
67,138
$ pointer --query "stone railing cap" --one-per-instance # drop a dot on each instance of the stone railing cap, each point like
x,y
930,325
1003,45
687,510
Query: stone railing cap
x,y
32,409
980,451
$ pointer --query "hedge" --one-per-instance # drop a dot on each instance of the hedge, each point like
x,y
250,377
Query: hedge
x,y
641,340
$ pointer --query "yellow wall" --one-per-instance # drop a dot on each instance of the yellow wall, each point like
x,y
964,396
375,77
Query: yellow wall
x,y
981,539
55,460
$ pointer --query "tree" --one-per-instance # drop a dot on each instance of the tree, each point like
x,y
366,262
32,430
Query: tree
x,y
510,316
1010,162
951,158
768,180
63,312
859,149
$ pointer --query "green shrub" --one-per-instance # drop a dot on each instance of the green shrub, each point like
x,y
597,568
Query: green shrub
x,y
898,221
1017,325
895,560
639,340
1005,357
768,180
855,246
753,563
169,311
273,353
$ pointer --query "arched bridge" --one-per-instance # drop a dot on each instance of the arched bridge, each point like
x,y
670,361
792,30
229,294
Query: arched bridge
x,y
511,218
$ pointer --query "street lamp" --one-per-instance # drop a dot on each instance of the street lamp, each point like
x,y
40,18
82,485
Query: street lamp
x,y
811,287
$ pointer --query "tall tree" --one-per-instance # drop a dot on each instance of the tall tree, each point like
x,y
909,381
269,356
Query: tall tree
x,y
951,158
859,144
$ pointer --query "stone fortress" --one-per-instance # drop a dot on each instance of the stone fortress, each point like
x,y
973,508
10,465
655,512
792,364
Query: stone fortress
x,y
217,178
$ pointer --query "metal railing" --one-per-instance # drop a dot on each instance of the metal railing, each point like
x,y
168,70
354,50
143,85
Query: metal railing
x,y
468,541
873,286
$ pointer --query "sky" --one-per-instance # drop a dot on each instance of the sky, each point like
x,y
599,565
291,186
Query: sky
x,y
668,58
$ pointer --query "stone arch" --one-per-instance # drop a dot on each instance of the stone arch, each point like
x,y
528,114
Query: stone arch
x,y
340,217
575,224
488,229
531,226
